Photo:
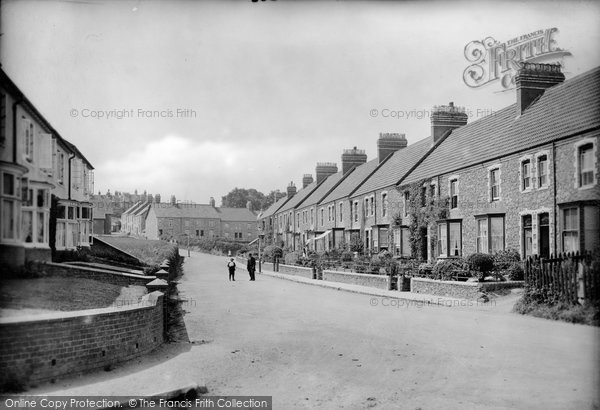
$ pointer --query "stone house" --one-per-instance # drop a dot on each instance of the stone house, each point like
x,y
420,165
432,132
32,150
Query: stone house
x,y
267,224
180,221
133,220
45,184
524,178
238,224
374,201
336,204
285,222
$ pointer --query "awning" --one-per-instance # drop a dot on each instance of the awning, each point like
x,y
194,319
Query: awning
x,y
308,241
253,241
324,234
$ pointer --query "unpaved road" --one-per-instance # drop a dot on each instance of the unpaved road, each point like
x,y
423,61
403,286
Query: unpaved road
x,y
311,347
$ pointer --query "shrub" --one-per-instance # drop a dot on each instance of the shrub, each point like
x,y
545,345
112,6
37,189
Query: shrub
x,y
272,251
516,272
504,260
425,269
482,263
347,256
446,269
292,258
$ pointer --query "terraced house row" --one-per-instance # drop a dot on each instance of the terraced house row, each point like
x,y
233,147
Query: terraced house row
x,y
45,184
525,177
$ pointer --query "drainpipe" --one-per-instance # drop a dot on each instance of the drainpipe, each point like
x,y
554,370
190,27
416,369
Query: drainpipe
x,y
554,197
14,112
70,159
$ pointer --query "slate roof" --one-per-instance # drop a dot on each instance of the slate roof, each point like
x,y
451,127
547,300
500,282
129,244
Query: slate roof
x,y
133,209
185,211
299,197
236,214
323,189
275,207
563,110
354,179
395,167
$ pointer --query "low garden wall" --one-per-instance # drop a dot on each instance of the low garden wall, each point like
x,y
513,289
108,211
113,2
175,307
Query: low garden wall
x,y
116,278
374,281
44,347
461,290
296,270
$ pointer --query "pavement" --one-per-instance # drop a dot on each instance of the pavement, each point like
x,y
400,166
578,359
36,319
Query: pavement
x,y
503,304
316,347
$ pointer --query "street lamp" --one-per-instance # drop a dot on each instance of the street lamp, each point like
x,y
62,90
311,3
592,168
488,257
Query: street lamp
x,y
260,236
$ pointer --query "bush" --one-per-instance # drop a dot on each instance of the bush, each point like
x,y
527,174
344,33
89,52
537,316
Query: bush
x,y
446,269
272,251
425,269
504,260
516,272
482,263
347,256
293,258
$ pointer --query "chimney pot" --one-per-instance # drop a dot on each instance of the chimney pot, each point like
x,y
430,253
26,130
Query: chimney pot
x,y
324,170
352,158
388,143
532,81
445,118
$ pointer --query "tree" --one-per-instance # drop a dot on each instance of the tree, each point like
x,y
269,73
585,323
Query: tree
x,y
239,197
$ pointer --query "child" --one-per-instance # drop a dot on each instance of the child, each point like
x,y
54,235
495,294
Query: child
x,y
231,266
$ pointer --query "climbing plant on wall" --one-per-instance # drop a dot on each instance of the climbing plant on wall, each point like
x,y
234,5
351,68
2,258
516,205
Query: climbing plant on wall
x,y
424,209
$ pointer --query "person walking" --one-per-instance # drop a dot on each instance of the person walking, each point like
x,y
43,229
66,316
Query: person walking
x,y
231,266
251,266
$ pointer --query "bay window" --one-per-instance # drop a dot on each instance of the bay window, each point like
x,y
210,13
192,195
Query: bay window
x,y
490,233
35,211
449,238
9,200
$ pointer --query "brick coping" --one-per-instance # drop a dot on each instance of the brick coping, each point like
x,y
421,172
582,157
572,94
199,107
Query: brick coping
x,y
148,301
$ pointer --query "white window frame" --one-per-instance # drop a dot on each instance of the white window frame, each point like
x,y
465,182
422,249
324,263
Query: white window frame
x,y
451,179
490,169
578,145
537,158
522,161
13,200
35,210
384,204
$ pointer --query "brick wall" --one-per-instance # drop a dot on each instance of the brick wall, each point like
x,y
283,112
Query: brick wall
x,y
49,346
374,281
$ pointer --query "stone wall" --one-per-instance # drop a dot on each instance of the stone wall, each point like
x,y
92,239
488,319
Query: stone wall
x,y
373,281
461,290
48,346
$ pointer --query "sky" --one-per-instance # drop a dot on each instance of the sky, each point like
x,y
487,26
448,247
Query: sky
x,y
193,99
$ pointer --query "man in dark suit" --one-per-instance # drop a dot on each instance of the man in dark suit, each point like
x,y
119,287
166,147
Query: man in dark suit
x,y
251,266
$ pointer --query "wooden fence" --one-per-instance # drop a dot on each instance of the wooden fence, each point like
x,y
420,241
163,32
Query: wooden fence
x,y
572,277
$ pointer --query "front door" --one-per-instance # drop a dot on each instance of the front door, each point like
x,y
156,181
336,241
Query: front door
x,y
544,224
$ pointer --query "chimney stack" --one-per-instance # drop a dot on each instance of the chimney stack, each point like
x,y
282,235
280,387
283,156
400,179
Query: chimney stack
x,y
533,79
352,158
173,200
324,170
150,198
211,201
291,190
388,143
249,206
445,118
307,179
157,199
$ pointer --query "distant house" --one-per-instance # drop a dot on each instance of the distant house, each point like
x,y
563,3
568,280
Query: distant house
x,y
179,221
133,220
